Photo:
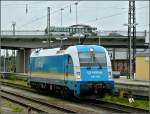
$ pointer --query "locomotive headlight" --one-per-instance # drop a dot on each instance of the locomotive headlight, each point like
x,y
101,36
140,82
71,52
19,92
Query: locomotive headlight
x,y
78,75
91,49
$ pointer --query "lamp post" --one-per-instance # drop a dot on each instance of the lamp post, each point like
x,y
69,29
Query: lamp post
x,y
24,61
49,26
79,36
76,12
4,61
13,24
98,34
61,15
61,39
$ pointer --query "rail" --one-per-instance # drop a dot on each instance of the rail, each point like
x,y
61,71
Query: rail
x,y
34,103
117,107
61,105
97,103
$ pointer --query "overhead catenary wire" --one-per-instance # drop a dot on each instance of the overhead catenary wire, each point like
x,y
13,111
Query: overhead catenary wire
x,y
138,26
45,15
51,13
88,7
112,15
41,17
105,17
13,4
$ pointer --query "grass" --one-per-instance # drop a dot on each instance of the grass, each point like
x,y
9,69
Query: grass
x,y
124,101
19,82
15,108
7,104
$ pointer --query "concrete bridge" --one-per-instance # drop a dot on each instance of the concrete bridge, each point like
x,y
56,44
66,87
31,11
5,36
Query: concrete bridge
x,y
24,41
37,39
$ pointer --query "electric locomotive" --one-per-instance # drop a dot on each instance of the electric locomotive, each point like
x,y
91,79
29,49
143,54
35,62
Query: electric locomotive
x,y
78,70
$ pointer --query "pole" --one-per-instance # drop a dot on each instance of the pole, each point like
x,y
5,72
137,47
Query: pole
x,y
0,52
129,41
134,37
13,24
61,15
48,27
5,61
130,57
76,13
24,61
61,42
79,39
99,39
131,37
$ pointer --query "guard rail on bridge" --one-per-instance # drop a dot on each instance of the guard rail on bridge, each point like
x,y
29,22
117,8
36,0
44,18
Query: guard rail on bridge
x,y
39,32
25,39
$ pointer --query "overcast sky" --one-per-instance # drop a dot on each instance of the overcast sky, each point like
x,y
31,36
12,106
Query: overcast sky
x,y
109,15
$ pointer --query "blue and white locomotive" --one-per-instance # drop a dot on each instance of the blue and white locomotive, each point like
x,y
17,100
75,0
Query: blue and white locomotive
x,y
77,70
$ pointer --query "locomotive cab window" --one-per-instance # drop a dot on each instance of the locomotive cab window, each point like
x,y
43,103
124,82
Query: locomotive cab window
x,y
70,62
94,59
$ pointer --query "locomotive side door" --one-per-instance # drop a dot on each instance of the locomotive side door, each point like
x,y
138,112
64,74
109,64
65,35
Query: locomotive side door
x,y
68,67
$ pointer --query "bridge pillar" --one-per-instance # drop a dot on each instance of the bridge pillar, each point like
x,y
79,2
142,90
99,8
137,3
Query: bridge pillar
x,y
22,60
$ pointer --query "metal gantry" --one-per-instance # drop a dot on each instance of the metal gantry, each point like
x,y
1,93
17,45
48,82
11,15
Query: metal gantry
x,y
131,38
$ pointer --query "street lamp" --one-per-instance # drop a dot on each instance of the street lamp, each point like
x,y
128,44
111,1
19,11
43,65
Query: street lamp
x,y
98,34
13,24
4,61
61,39
76,13
61,15
78,35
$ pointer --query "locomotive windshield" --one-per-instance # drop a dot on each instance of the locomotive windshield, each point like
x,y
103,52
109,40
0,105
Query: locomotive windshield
x,y
94,59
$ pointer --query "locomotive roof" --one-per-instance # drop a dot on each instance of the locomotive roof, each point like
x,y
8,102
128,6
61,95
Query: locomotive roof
x,y
45,52
58,51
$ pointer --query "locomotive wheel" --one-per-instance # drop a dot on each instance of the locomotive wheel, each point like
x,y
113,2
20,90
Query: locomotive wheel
x,y
62,92
68,94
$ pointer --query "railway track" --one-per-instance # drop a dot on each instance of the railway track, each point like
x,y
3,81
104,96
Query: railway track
x,y
96,103
61,106
18,86
116,107
35,104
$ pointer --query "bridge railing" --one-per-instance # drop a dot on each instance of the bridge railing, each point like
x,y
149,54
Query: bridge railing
x,y
9,32
40,32
122,33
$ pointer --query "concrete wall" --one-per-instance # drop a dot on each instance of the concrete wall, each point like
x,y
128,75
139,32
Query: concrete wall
x,y
142,67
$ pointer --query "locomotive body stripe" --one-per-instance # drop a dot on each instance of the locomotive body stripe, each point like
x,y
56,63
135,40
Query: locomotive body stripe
x,y
52,73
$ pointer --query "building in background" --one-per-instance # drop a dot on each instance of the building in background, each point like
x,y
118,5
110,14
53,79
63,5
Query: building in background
x,y
142,66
